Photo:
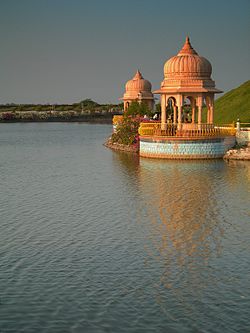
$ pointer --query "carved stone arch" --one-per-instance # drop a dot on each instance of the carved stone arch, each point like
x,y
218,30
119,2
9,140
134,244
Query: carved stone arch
x,y
189,109
172,104
173,99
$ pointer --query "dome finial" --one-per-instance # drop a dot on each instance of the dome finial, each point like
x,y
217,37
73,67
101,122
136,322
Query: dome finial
x,y
138,75
187,48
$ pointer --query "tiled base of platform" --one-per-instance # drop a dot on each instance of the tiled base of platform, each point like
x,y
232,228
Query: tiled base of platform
x,y
185,148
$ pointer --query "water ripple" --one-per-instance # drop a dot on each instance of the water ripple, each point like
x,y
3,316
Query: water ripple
x,y
97,241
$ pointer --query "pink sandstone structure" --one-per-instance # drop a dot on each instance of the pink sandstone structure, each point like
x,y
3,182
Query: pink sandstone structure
x,y
138,90
187,75
186,132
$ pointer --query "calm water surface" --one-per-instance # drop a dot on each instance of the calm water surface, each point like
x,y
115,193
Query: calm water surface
x,y
97,241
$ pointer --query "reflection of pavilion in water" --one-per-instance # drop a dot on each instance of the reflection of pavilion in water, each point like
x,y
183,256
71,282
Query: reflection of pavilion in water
x,y
183,227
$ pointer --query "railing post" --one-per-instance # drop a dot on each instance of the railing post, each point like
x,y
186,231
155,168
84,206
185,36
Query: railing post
x,y
238,125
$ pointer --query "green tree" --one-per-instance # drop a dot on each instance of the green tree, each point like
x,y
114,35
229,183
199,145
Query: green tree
x,y
136,109
158,107
88,103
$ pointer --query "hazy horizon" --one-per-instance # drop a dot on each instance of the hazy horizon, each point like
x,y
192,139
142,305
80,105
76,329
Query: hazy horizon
x,y
64,51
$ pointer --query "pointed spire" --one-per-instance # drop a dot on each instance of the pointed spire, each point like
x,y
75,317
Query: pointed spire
x,y
138,75
187,48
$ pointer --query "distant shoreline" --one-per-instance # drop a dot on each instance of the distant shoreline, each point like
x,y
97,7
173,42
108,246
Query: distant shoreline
x,y
97,118
92,121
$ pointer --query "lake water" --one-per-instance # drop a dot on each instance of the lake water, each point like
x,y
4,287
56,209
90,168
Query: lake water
x,y
93,240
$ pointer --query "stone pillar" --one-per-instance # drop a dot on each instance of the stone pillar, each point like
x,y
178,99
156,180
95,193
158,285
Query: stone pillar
x,y
208,114
193,105
163,112
209,109
199,114
139,98
175,114
126,105
179,125
179,104
199,103
212,110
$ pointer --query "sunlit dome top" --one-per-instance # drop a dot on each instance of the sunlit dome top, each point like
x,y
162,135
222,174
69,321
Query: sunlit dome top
x,y
138,84
187,64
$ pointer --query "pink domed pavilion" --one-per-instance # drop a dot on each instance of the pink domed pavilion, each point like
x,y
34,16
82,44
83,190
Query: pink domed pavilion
x,y
138,90
187,76
186,129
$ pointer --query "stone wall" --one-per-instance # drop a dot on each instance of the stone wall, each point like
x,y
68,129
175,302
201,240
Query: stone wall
x,y
243,136
178,148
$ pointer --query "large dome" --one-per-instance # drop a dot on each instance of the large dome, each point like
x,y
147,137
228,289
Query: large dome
x,y
138,84
187,64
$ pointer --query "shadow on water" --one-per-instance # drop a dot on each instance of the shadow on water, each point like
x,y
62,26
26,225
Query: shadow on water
x,y
127,166
128,161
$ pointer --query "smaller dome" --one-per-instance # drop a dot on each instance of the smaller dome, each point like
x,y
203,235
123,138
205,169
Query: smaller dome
x,y
138,84
187,64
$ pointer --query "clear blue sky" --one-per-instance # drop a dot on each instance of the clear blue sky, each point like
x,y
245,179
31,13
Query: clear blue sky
x,y
63,51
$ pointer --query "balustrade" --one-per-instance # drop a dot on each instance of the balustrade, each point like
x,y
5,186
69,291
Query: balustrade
x,y
186,130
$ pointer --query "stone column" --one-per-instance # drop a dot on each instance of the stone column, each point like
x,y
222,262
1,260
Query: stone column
x,y
208,114
175,114
193,105
179,125
163,112
179,104
199,103
210,106
199,114
208,109
212,110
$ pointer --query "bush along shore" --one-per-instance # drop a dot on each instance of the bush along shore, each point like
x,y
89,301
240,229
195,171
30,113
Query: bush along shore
x,y
126,137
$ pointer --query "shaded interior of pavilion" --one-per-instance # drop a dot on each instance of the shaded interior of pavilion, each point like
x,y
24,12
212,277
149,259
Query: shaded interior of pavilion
x,y
187,115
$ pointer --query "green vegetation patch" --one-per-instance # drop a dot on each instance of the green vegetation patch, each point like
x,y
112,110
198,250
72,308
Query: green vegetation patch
x,y
127,131
233,105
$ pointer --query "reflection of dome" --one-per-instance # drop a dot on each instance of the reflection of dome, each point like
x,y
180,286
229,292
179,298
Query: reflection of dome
x,y
138,84
187,64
